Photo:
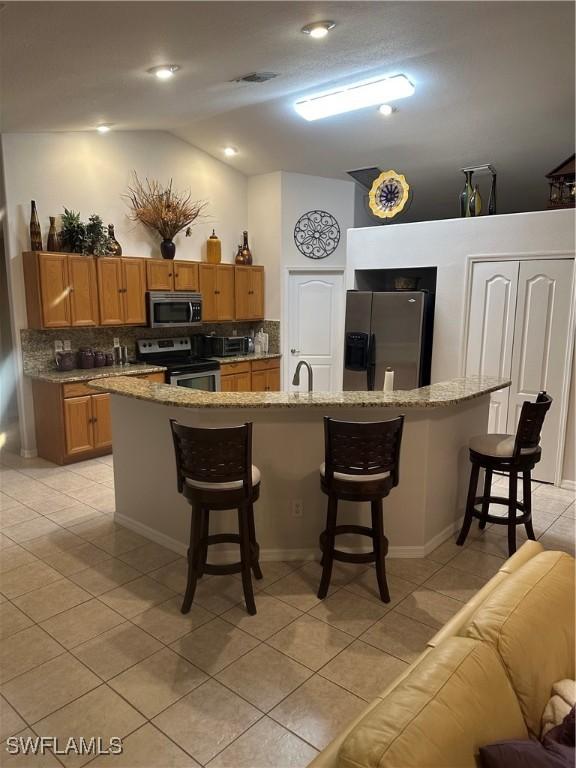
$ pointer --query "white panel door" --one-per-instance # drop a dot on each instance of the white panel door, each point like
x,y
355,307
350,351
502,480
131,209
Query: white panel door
x,y
491,330
315,328
539,357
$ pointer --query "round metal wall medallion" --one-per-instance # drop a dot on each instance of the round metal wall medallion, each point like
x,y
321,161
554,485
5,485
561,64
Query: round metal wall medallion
x,y
388,195
316,234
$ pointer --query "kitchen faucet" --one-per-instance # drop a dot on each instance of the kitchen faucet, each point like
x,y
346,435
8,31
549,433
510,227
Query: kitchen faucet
x,y
296,379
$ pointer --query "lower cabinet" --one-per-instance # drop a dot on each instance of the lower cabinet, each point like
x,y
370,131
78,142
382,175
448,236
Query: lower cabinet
x,y
73,422
250,376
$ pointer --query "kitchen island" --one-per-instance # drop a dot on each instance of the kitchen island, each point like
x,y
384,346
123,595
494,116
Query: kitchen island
x,y
288,448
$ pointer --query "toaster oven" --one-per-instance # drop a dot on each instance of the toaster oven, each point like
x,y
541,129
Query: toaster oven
x,y
226,346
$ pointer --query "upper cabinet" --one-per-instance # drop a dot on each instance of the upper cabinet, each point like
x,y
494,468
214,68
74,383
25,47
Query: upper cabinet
x,y
217,289
122,291
61,290
171,275
70,290
249,293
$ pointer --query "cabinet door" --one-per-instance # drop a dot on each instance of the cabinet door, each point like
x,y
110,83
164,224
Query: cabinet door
x,y
134,291
273,379
101,420
159,275
243,382
228,383
491,330
185,276
110,290
539,359
207,279
242,280
54,287
78,424
83,291
256,294
259,381
225,292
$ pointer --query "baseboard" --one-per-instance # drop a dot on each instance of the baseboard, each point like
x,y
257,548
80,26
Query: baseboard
x,y
568,485
271,555
28,453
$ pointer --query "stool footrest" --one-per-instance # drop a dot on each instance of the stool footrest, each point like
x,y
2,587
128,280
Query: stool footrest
x,y
499,519
221,569
349,557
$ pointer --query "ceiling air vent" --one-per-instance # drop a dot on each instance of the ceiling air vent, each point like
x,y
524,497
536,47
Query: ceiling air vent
x,y
256,77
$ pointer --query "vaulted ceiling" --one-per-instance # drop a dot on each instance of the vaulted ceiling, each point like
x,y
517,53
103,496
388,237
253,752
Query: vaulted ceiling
x,y
494,83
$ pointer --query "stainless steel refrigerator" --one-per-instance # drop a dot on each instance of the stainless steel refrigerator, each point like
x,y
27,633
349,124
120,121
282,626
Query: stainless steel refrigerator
x,y
391,329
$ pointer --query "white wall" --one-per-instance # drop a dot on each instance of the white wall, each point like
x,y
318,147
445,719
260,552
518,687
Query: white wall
x,y
90,172
265,230
447,244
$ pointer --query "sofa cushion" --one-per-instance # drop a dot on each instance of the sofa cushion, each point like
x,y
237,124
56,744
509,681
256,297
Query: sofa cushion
x,y
529,620
455,700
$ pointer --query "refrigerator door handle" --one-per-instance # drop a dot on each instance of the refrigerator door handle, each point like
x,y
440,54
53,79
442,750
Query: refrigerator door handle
x,y
371,368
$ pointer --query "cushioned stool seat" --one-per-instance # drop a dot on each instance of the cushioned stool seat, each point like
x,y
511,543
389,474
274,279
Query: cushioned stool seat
x,y
355,478
233,486
497,445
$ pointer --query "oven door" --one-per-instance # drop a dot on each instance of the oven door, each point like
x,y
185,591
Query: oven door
x,y
205,381
171,310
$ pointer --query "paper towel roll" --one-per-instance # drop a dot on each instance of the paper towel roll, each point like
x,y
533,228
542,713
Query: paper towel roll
x,y
388,380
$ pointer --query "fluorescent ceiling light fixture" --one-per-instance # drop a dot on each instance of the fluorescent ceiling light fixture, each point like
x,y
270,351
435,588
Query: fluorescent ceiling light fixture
x,y
164,71
104,128
318,29
230,151
367,93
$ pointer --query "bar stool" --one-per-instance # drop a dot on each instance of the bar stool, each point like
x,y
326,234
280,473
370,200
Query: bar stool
x,y
511,454
215,472
361,464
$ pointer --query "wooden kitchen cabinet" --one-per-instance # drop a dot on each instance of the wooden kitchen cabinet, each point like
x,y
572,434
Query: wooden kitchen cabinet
x,y
171,275
235,377
266,375
217,289
61,290
250,376
185,276
249,293
121,291
73,422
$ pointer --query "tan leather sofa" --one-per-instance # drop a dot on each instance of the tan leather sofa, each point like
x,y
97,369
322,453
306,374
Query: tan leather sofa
x,y
485,676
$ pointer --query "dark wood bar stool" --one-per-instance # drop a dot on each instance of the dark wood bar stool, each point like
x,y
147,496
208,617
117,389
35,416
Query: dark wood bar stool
x,y
511,454
215,472
361,464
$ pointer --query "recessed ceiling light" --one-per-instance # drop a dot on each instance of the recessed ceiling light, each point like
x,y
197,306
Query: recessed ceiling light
x,y
230,151
318,29
386,110
104,128
367,93
164,71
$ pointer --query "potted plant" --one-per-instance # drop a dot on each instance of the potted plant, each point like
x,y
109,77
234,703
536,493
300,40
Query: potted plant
x,y
73,232
164,210
97,240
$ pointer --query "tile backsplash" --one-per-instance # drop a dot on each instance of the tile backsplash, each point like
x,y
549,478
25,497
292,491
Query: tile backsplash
x,y
38,346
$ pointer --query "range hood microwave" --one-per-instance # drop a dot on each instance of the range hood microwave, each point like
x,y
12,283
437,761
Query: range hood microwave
x,y
174,309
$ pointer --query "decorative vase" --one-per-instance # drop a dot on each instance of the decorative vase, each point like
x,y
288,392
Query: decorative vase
x,y
35,232
214,249
466,194
53,243
475,205
492,198
244,255
167,249
114,247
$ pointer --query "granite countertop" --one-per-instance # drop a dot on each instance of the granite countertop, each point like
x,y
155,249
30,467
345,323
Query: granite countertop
x,y
87,374
443,394
246,358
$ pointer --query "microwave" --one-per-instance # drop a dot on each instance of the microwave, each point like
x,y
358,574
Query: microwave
x,y
173,309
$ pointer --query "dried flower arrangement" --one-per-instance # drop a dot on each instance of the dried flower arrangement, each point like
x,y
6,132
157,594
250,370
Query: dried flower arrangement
x,y
164,210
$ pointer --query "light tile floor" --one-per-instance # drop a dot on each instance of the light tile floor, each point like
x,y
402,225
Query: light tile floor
x,y
93,642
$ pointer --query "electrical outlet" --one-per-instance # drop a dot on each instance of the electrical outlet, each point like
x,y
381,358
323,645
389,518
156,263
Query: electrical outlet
x,y
58,346
116,341
297,508
67,346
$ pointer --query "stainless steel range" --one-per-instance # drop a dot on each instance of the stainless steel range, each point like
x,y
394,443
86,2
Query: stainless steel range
x,y
184,368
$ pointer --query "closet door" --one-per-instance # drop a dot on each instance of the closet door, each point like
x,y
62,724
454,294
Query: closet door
x,y
491,330
539,357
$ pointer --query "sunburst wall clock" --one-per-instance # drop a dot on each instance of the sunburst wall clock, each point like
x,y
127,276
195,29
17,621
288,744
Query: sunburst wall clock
x,y
388,194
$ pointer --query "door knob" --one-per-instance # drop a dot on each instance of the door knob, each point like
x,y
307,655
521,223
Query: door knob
x,y
295,351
